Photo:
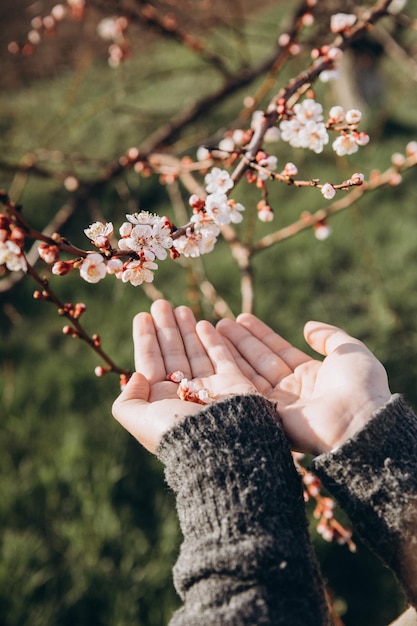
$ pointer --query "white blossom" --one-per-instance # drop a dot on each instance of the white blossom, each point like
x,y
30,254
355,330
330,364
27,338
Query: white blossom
x,y
11,256
114,266
306,129
353,116
146,233
345,144
221,210
138,272
93,268
227,144
337,114
308,110
235,211
314,136
203,153
144,217
238,136
322,231
289,131
328,76
218,181
108,29
203,221
99,233
195,243
341,21
328,191
269,163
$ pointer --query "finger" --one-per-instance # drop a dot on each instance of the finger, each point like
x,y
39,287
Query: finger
x,y
264,361
217,351
199,362
259,382
132,410
278,345
127,407
170,339
148,357
326,339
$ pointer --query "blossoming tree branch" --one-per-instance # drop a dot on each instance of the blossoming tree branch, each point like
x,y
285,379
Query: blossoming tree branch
x,y
246,154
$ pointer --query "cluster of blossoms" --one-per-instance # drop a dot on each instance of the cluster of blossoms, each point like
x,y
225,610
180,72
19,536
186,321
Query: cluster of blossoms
x,y
189,390
12,239
328,527
306,128
113,29
216,210
47,25
145,237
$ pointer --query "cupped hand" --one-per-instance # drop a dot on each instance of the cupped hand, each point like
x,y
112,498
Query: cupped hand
x,y
167,341
321,403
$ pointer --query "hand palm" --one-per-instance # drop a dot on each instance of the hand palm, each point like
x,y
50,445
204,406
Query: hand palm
x,y
166,342
320,403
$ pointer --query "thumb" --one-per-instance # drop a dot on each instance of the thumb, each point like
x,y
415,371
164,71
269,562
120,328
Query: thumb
x,y
325,338
133,397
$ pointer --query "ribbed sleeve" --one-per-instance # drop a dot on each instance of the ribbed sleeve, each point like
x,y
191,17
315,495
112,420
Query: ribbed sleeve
x,y
246,558
374,478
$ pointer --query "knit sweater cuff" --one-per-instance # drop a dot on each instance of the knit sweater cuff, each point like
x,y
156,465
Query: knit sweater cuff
x,y
246,557
374,478
221,457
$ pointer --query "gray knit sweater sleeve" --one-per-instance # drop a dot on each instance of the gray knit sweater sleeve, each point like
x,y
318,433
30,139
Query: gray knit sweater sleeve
x,y
246,558
374,478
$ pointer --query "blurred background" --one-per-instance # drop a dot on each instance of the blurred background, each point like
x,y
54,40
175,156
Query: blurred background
x,y
88,529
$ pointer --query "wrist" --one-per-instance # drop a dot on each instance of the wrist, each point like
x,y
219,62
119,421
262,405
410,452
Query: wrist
x,y
360,419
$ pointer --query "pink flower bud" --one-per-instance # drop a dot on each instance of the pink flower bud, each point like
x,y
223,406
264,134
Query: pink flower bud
x,y
47,253
284,40
196,202
71,183
18,236
62,267
266,215
322,231
411,148
123,380
290,170
4,222
71,332
79,309
397,159
307,19
362,139
395,179
357,179
335,54
101,371
176,377
132,154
